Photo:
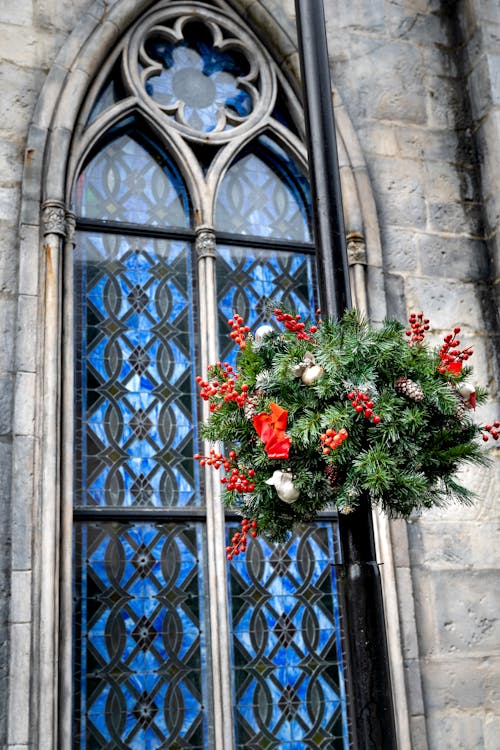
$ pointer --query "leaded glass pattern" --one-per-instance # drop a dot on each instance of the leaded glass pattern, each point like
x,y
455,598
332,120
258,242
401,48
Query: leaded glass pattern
x,y
249,278
264,194
132,181
288,674
136,405
200,85
140,640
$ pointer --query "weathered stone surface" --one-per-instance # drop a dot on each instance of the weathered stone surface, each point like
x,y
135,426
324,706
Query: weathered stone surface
x,y
20,88
399,94
7,318
6,391
416,25
453,257
427,113
457,544
19,730
398,186
455,731
8,258
400,250
20,605
444,306
462,683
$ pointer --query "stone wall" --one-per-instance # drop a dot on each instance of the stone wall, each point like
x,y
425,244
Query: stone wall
x,y
420,80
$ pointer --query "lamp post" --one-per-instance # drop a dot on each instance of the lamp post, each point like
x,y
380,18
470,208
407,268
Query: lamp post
x,y
372,710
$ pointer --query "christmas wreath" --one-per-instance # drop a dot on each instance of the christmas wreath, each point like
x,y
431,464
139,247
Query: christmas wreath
x,y
314,415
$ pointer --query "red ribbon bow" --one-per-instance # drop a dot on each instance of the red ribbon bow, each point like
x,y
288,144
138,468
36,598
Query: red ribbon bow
x,y
271,430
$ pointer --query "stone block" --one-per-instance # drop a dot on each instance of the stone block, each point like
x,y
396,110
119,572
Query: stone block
x,y
25,396
455,732
19,13
488,144
492,211
20,89
19,692
23,462
447,184
7,322
52,14
8,258
398,192
465,611
400,250
456,218
453,257
414,687
357,15
456,545
399,540
487,10
5,479
20,603
379,138
462,683
6,395
399,94
11,158
443,303
412,24
482,94
395,296
375,284
28,260
9,203
26,338
404,586
445,103
418,732
491,732
29,47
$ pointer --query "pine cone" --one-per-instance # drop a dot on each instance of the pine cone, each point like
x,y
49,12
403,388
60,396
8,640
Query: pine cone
x,y
332,475
461,408
410,389
250,408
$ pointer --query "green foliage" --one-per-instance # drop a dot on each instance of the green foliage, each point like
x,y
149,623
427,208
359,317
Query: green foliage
x,y
406,462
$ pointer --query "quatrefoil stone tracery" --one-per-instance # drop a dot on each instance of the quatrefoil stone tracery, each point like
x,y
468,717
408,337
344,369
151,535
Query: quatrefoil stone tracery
x,y
210,83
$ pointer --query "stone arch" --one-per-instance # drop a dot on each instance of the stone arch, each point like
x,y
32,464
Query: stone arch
x,y
46,219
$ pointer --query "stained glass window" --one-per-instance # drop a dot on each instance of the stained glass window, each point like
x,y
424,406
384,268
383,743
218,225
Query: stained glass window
x,y
288,677
133,181
135,370
140,641
199,84
266,195
146,647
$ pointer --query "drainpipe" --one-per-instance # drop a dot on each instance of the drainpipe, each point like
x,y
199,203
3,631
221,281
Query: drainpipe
x,y
371,709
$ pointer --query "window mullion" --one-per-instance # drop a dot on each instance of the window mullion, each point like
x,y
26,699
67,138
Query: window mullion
x,y
218,598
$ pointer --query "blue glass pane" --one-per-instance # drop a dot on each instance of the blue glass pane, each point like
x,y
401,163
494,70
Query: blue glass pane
x,y
288,673
140,674
249,279
135,369
128,181
264,194
199,84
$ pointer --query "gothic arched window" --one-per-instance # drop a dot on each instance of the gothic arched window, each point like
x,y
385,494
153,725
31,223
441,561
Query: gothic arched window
x,y
192,203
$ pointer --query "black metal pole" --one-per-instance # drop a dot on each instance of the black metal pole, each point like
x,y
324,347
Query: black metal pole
x,y
372,710
324,174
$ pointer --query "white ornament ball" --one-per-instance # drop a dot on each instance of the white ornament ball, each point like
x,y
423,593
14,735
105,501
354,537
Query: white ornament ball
x,y
262,331
312,374
466,390
285,487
